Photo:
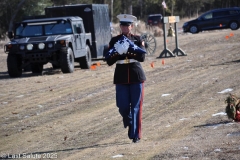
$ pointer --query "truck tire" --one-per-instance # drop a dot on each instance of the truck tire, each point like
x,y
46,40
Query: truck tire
x,y
85,62
54,66
14,65
37,68
193,29
234,25
67,60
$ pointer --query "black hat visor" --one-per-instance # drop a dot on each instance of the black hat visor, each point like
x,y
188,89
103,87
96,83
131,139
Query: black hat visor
x,y
125,23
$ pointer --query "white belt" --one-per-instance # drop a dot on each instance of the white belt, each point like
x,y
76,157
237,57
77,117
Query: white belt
x,y
126,61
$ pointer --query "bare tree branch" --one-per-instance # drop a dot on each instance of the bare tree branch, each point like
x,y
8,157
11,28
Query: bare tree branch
x,y
14,15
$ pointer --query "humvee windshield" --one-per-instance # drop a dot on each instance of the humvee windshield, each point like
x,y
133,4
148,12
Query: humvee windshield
x,y
36,29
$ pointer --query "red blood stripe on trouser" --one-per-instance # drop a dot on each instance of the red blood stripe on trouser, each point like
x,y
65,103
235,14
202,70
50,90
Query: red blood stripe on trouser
x,y
140,113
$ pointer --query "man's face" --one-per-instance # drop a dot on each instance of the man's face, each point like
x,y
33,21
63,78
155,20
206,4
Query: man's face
x,y
126,29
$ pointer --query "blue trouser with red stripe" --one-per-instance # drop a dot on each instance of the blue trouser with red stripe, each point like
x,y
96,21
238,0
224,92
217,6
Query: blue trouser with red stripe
x,y
129,98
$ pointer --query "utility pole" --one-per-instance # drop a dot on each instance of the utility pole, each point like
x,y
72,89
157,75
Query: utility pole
x,y
111,10
163,11
141,12
129,3
130,9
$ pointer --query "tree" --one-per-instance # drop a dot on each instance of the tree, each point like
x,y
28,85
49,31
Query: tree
x,y
9,11
14,14
15,10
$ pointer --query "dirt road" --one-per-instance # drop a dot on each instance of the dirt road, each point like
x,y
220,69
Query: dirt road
x,y
73,116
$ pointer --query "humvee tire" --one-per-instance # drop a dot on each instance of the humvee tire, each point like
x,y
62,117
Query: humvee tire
x,y
14,65
85,62
67,60
54,66
37,68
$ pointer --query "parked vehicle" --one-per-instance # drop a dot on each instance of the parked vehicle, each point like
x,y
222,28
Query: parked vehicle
x,y
214,19
155,20
61,39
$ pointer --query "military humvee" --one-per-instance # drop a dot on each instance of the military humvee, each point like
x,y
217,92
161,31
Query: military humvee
x,y
68,34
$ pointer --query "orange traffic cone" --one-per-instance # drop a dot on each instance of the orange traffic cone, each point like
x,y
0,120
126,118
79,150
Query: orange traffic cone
x,y
163,62
152,64
93,67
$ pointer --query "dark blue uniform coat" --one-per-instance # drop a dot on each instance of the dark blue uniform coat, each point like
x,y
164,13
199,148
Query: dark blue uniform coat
x,y
129,80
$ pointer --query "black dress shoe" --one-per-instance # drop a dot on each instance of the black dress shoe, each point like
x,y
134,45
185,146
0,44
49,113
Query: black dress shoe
x,y
136,140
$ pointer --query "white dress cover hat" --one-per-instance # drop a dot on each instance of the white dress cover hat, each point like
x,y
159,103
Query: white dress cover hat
x,y
126,19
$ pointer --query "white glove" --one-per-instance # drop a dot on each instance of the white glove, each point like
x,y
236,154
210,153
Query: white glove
x,y
121,48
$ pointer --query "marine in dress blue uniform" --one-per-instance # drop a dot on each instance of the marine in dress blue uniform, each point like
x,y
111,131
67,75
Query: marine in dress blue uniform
x,y
129,78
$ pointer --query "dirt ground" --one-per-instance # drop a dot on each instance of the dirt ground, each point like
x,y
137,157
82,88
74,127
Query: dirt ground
x,y
74,116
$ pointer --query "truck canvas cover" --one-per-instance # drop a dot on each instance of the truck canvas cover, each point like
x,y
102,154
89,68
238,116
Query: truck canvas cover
x,y
96,21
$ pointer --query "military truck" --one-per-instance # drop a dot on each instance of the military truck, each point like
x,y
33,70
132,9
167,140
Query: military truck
x,y
67,34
